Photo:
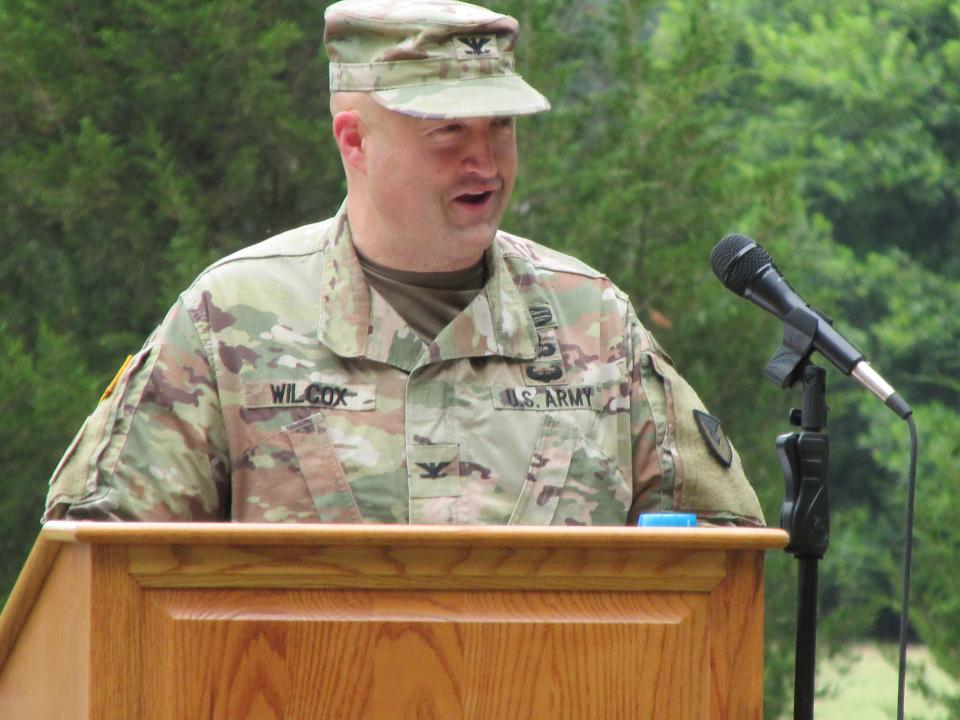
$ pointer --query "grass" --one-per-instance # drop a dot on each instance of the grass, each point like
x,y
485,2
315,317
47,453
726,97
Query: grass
x,y
863,685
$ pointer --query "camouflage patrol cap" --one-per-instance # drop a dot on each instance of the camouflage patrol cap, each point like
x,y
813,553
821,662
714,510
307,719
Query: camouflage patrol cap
x,y
428,58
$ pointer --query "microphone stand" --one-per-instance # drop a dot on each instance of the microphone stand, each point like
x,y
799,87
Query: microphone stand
x,y
805,513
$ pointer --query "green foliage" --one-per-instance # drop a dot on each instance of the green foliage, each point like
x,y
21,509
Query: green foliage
x,y
141,141
865,96
935,611
43,391
857,99
168,132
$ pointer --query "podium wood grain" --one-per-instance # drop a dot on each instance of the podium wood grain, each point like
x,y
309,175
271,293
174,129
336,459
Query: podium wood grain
x,y
230,622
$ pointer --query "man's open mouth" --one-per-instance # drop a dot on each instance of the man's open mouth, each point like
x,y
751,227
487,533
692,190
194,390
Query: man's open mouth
x,y
474,198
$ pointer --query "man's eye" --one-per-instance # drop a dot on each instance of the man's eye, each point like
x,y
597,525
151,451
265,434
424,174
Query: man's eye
x,y
451,128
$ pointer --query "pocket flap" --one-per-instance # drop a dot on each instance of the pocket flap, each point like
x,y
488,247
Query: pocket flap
x,y
547,475
322,471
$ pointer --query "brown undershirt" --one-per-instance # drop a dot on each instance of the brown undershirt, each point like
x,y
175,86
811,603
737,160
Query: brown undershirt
x,y
428,301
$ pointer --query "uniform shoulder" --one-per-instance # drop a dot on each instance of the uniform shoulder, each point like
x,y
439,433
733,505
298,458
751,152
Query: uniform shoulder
x,y
542,257
538,259
303,240
265,267
300,242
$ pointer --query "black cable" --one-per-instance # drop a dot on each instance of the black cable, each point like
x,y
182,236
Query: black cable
x,y
905,605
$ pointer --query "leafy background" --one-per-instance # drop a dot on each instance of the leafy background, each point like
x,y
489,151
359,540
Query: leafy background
x,y
140,140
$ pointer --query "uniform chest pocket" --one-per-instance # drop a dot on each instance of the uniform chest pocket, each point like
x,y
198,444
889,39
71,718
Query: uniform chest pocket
x,y
295,475
570,481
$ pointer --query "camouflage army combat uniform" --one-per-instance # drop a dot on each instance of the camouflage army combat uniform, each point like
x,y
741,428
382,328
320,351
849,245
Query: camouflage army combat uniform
x,y
281,388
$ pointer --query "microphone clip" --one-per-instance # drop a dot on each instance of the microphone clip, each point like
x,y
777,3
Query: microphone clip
x,y
785,368
804,458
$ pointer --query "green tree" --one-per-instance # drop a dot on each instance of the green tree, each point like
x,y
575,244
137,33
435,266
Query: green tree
x,y
149,138
863,95
44,393
857,98
141,141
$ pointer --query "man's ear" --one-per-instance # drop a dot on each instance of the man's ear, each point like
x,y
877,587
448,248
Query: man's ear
x,y
348,131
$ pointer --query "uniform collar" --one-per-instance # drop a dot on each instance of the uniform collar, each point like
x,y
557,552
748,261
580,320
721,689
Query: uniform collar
x,y
356,323
344,297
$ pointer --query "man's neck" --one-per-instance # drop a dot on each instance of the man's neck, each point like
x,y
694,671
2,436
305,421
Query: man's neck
x,y
469,278
391,249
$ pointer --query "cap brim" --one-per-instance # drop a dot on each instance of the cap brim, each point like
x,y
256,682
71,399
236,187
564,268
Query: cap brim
x,y
492,96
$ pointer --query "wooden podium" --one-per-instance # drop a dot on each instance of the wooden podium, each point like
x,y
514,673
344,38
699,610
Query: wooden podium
x,y
185,621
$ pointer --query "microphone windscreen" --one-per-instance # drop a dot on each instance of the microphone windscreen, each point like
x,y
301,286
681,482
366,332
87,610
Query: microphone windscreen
x,y
736,259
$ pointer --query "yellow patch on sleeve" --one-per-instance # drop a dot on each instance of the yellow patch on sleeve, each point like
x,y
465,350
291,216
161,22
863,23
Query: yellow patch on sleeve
x,y
116,378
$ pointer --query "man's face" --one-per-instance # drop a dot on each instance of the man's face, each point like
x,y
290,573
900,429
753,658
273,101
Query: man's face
x,y
437,188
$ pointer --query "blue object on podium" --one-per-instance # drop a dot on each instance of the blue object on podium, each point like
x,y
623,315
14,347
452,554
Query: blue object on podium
x,y
667,520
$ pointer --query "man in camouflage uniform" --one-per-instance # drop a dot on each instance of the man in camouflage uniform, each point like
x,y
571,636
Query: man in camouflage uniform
x,y
406,361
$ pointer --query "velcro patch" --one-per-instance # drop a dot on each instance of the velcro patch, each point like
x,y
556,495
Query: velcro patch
x,y
548,347
434,470
547,397
281,393
714,437
476,47
542,315
544,373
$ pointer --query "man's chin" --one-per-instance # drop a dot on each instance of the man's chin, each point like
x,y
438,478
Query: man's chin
x,y
476,236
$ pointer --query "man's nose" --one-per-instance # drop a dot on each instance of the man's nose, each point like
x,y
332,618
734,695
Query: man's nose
x,y
481,152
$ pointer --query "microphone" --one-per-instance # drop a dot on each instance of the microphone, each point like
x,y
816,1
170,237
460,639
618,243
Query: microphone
x,y
749,271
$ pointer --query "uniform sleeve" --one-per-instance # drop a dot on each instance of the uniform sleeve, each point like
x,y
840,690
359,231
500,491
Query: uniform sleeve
x,y
682,460
155,447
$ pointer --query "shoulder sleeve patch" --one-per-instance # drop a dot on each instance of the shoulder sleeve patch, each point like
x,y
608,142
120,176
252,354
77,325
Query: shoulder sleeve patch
x,y
714,437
